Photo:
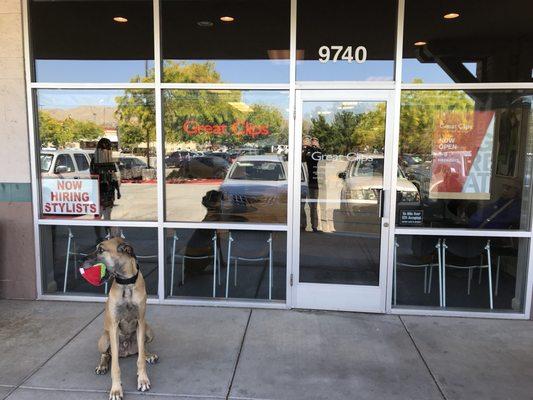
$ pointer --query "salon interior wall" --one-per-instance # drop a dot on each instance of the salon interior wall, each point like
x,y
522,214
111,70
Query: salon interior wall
x,y
17,251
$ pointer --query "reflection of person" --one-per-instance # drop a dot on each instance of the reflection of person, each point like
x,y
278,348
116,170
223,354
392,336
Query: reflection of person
x,y
504,213
311,154
451,180
102,165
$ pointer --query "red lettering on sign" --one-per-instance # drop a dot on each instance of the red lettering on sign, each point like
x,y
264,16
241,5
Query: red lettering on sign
x,y
239,127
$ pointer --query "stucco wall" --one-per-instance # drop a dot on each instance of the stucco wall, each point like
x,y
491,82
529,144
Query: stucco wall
x,y
17,261
13,121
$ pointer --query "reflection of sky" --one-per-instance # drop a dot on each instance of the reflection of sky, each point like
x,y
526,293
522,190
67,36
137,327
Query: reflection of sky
x,y
428,72
60,98
312,109
278,99
103,71
54,98
371,70
250,71
246,71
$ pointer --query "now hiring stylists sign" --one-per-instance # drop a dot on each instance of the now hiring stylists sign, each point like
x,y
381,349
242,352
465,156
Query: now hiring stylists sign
x,y
70,196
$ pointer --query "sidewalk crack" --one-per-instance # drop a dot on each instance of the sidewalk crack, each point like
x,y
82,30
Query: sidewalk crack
x,y
239,355
441,391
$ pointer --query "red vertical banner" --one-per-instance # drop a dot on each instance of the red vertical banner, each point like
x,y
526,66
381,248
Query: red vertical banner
x,y
462,155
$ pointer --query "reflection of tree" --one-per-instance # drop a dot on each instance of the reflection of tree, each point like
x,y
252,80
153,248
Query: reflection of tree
x,y
422,111
59,133
349,131
205,107
136,119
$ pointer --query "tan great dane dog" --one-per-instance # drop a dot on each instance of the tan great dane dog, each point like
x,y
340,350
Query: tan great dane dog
x,y
125,329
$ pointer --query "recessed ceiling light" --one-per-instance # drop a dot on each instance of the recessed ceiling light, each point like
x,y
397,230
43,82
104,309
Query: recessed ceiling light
x,y
451,16
121,20
227,18
420,43
204,24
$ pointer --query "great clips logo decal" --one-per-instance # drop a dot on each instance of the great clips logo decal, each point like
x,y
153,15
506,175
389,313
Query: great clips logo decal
x,y
238,128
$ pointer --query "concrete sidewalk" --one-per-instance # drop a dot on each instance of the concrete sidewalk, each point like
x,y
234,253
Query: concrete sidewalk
x,y
49,352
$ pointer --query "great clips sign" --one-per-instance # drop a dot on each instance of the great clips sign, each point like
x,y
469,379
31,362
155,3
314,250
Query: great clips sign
x,y
462,156
238,128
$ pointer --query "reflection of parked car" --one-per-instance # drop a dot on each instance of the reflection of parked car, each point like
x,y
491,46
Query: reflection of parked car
x,y
66,164
175,159
256,188
204,166
363,181
420,176
131,167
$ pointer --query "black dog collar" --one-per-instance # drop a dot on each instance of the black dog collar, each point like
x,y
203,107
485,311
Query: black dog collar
x,y
127,281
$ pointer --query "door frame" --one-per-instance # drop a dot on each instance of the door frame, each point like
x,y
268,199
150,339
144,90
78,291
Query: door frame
x,y
343,297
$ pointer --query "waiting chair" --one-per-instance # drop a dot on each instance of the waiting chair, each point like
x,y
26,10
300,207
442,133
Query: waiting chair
x,y
249,246
214,256
425,251
466,253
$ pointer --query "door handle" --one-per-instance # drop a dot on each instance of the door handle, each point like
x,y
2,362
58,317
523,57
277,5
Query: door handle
x,y
381,200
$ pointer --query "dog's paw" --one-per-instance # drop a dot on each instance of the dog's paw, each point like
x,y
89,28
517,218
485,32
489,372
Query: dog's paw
x,y
152,358
143,384
116,392
101,370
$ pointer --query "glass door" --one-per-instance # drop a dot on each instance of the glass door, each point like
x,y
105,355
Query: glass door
x,y
342,199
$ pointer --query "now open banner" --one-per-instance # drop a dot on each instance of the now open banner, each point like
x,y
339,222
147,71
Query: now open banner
x,y
462,155
70,196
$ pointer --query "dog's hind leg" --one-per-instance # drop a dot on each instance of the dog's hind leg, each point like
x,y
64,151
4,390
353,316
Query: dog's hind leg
x,y
103,347
149,335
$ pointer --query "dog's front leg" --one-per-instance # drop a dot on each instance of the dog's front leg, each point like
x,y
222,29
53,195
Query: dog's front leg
x,y
143,383
116,384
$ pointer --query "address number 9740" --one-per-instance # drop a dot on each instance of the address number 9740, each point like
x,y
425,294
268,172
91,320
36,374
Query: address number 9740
x,y
342,53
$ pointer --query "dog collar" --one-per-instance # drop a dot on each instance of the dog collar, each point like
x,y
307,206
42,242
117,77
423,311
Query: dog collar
x,y
127,281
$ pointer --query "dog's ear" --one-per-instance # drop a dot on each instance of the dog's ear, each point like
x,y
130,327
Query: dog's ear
x,y
126,248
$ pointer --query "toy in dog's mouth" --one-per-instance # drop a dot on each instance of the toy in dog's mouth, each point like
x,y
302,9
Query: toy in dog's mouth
x,y
97,274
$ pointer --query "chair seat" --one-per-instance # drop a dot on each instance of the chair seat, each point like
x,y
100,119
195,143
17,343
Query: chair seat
x,y
454,261
410,260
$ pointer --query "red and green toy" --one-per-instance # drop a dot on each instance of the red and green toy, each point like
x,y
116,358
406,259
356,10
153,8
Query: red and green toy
x,y
96,274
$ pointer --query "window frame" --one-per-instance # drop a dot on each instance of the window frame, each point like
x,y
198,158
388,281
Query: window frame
x,y
396,86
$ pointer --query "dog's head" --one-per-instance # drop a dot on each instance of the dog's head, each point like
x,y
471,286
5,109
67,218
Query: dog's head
x,y
117,255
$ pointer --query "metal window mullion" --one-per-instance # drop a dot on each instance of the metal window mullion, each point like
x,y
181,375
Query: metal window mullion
x,y
98,222
83,85
160,151
469,86
457,313
226,226
346,85
291,206
32,143
396,103
461,232
226,86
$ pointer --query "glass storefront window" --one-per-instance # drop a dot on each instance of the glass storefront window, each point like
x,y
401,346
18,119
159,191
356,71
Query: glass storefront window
x,y
64,249
226,155
468,153
225,264
337,40
473,272
468,41
92,41
226,42
97,154
340,220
